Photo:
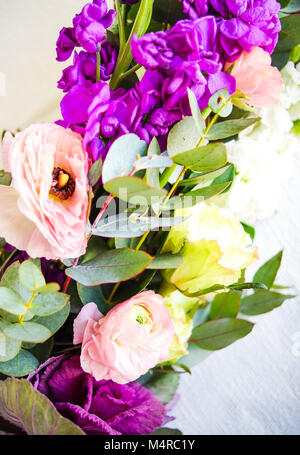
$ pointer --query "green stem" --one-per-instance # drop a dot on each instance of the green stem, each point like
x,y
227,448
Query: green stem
x,y
121,25
7,260
140,26
98,77
132,70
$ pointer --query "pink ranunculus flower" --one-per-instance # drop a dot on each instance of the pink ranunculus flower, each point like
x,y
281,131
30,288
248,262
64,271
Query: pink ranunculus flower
x,y
132,338
256,78
44,211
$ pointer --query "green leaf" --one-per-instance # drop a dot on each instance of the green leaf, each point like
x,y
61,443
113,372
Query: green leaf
x,y
134,190
183,136
49,288
285,3
204,159
195,356
227,176
219,99
9,348
132,226
122,156
31,332
93,294
11,302
225,305
196,196
33,412
242,286
153,162
293,6
205,177
42,351
166,261
163,386
46,304
21,365
5,178
166,432
214,335
196,113
262,302
111,267
152,175
95,172
55,321
267,273
230,128
30,276
290,33
250,231
10,280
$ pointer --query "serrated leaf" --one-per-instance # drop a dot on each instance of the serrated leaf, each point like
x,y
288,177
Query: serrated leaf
x,y
230,128
95,172
134,191
219,334
122,156
203,159
262,302
55,321
111,267
183,136
30,276
31,332
11,302
267,273
30,410
21,365
47,304
196,113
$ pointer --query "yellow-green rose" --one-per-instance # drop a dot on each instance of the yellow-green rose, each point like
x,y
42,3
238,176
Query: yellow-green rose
x,y
215,249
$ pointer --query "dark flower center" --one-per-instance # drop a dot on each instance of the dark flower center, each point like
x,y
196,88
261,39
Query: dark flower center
x,y
63,185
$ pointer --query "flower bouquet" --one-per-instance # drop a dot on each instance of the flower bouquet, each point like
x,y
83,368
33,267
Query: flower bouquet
x,y
126,226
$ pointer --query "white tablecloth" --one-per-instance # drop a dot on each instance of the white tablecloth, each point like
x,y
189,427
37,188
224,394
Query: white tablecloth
x,y
251,387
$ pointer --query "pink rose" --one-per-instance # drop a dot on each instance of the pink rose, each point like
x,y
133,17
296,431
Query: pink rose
x,y
256,78
132,338
44,210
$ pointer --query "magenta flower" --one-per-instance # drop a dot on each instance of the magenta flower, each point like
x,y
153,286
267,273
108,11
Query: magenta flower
x,y
98,407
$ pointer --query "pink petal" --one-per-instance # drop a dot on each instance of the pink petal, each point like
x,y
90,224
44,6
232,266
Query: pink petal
x,y
89,311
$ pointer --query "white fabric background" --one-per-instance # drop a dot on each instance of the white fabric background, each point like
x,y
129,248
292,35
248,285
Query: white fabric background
x,y
252,387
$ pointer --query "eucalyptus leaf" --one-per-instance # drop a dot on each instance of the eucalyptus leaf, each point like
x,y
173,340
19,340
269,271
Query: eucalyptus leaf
x,y
262,302
153,162
163,386
194,197
111,267
10,280
122,156
49,288
230,128
30,276
204,159
218,334
225,305
131,226
21,365
55,321
11,302
290,33
31,332
166,261
93,294
183,136
219,99
95,172
196,113
32,411
134,190
206,177
9,348
47,304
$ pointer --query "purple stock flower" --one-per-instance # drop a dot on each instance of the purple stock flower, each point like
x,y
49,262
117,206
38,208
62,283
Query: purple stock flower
x,y
243,24
98,407
195,8
85,67
65,44
91,24
152,50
